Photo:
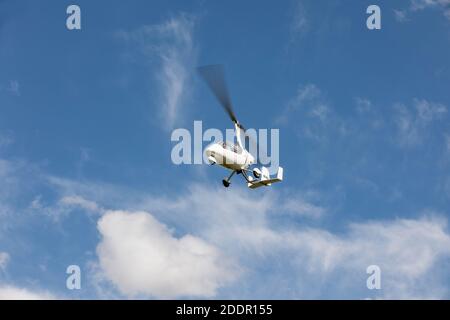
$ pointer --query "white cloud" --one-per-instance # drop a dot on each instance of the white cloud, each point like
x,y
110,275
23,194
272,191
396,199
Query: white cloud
x,y
363,105
4,259
428,111
447,142
141,256
5,140
77,201
423,4
412,122
369,115
138,253
64,207
14,87
301,207
306,97
299,22
419,5
407,251
16,293
315,118
390,242
410,252
172,42
401,15
10,187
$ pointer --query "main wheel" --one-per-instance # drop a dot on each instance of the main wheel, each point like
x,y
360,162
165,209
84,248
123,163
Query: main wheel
x,y
226,183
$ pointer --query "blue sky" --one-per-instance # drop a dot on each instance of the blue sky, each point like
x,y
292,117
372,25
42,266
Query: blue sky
x,y
86,176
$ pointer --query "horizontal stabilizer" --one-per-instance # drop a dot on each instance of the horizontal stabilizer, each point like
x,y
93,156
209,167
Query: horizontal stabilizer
x,y
266,182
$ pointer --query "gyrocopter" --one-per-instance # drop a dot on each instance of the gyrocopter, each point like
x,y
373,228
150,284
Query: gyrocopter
x,y
227,154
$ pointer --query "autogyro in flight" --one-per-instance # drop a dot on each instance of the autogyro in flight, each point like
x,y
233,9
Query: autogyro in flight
x,y
227,154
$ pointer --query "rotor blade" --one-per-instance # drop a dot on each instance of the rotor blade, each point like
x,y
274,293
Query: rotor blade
x,y
214,76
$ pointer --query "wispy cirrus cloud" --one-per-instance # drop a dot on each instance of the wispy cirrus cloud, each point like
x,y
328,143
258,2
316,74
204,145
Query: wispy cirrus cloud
x,y
311,107
307,96
172,44
63,207
5,140
418,5
401,15
299,25
244,239
12,87
412,122
447,142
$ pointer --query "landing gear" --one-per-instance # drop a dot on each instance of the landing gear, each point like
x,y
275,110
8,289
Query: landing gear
x,y
226,182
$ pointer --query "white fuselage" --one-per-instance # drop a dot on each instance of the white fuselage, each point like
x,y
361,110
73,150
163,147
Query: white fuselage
x,y
229,156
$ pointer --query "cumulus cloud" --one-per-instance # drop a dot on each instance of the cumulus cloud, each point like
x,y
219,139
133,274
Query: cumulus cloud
x,y
16,293
172,43
410,252
248,238
312,261
141,256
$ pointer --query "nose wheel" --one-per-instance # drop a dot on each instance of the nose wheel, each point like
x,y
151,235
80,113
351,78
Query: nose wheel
x,y
226,182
